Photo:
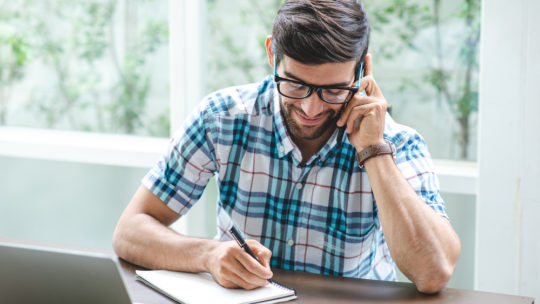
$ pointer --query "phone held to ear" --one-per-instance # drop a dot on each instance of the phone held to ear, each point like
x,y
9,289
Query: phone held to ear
x,y
341,131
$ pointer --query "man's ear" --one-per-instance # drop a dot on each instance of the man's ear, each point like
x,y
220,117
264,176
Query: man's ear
x,y
268,45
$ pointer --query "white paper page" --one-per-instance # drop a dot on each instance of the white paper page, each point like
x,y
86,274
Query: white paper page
x,y
192,288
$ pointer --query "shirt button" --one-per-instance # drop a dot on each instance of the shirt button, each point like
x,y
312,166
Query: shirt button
x,y
323,158
290,242
299,186
281,149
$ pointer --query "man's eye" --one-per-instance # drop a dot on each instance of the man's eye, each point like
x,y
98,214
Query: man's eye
x,y
295,86
334,91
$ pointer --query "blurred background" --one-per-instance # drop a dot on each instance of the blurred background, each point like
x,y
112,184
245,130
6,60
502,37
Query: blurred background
x,y
91,90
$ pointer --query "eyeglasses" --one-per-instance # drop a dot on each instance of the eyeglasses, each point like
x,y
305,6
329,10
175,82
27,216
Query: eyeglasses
x,y
330,94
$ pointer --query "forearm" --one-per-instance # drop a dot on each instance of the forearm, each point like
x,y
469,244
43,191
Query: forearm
x,y
143,237
143,240
422,243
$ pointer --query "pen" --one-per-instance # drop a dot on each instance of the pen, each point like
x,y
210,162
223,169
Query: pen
x,y
240,239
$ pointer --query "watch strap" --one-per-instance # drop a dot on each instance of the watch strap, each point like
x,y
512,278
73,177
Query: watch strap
x,y
374,150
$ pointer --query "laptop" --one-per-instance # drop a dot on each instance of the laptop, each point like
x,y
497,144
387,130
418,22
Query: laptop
x,y
32,274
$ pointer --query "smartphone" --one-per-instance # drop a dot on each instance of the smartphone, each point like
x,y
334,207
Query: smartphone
x,y
341,131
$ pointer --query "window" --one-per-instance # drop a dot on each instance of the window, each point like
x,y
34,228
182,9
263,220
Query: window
x,y
424,52
103,66
236,32
97,66
426,62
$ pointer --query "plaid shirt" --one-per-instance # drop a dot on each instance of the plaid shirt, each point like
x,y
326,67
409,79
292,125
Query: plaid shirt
x,y
318,217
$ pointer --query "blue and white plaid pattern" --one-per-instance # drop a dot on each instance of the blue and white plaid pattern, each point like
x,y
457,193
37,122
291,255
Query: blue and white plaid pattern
x,y
319,217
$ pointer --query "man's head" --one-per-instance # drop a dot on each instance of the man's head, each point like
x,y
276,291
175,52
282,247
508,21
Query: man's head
x,y
321,31
317,42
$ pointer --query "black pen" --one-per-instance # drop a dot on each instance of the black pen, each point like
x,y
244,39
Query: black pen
x,y
240,239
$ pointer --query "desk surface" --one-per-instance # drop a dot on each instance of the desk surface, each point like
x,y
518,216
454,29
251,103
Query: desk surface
x,y
313,288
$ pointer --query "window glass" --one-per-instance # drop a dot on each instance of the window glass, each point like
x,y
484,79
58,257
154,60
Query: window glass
x,y
425,61
235,52
95,65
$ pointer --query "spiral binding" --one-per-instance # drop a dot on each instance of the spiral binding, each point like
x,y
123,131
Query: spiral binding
x,y
282,286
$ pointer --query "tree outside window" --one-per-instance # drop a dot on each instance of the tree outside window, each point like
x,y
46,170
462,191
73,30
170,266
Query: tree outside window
x,y
96,65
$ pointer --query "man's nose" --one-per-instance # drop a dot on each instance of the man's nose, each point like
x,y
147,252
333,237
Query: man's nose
x,y
312,105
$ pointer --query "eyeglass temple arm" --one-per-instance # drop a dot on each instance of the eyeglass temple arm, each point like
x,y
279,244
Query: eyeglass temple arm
x,y
275,66
360,73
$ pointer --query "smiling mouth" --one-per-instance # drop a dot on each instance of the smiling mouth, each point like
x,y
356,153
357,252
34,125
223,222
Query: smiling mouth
x,y
310,121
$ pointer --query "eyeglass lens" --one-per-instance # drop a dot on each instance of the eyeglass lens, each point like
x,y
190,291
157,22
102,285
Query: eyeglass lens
x,y
296,90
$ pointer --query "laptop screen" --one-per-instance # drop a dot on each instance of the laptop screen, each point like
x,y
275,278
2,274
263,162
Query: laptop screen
x,y
30,274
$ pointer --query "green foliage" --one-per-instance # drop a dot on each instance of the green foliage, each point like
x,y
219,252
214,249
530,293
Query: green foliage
x,y
236,35
14,56
90,31
400,18
98,54
401,22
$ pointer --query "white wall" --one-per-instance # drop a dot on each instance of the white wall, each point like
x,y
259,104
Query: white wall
x,y
63,202
508,214
78,204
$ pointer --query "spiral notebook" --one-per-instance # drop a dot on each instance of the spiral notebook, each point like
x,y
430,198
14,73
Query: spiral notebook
x,y
192,288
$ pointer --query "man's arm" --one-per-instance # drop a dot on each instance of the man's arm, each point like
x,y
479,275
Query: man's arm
x,y
142,236
422,243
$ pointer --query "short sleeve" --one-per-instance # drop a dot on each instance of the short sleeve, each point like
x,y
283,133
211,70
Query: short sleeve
x,y
181,175
414,162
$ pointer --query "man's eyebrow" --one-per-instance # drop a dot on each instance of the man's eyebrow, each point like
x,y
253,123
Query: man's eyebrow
x,y
290,75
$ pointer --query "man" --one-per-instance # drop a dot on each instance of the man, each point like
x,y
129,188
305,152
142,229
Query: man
x,y
307,196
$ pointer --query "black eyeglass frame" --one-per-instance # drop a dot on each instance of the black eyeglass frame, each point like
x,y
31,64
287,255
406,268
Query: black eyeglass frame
x,y
318,89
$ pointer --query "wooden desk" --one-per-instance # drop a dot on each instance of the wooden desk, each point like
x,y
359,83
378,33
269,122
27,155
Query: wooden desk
x,y
314,289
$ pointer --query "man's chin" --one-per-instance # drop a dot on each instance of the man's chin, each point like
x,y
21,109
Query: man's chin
x,y
305,131
310,132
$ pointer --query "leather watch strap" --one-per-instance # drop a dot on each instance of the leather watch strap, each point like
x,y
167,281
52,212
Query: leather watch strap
x,y
375,150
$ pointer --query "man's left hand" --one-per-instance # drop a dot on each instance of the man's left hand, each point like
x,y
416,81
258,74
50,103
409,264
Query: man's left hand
x,y
364,115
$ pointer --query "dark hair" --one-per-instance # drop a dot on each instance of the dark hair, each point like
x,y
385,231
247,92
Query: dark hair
x,y
321,31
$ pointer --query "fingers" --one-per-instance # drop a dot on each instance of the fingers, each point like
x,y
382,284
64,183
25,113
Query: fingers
x,y
264,254
363,112
367,66
356,102
368,83
233,280
260,268
235,268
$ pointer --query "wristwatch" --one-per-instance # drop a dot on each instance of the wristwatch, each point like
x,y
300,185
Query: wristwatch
x,y
376,150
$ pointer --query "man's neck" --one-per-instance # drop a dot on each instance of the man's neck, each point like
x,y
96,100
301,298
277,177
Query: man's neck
x,y
310,147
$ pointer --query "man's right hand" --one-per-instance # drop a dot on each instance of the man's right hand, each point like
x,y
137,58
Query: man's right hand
x,y
232,267
143,237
